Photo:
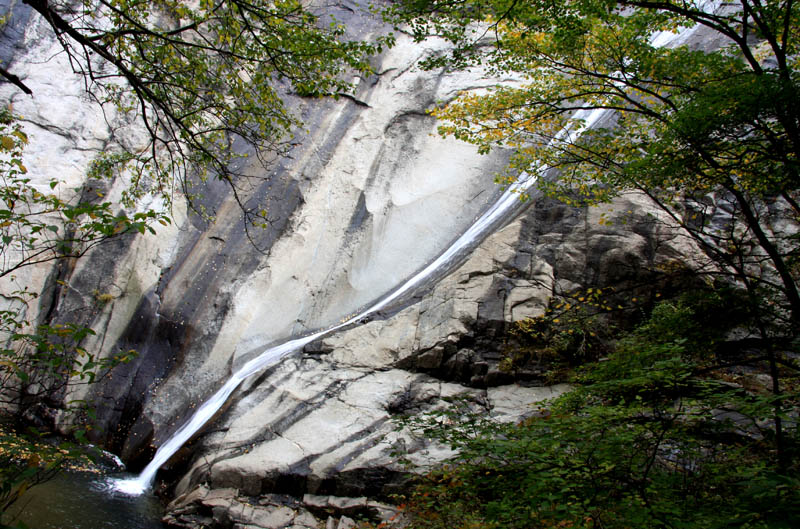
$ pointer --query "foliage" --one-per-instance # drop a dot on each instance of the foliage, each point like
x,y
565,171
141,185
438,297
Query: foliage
x,y
617,96
41,363
27,459
201,76
38,364
581,325
40,223
656,435
40,226
574,329
610,100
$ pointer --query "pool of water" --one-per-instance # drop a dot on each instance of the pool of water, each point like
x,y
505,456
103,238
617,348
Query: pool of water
x,y
84,501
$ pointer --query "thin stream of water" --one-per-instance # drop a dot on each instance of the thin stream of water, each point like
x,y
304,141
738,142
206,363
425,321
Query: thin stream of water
x,y
271,355
139,484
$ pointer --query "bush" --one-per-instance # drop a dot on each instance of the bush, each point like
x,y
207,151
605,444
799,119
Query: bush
x,y
653,436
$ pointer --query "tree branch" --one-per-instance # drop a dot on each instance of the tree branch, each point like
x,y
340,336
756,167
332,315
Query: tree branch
x,y
13,79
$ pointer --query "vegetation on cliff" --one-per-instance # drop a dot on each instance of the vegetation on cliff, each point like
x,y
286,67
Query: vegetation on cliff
x,y
691,419
199,76
673,428
705,123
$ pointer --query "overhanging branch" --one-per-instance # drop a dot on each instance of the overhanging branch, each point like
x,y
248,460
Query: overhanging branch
x,y
13,79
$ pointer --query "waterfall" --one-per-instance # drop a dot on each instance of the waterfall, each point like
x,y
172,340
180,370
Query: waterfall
x,y
271,355
487,220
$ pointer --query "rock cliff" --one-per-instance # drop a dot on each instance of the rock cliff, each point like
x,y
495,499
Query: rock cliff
x,y
367,197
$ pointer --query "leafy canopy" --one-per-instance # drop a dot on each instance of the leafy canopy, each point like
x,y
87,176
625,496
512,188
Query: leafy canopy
x,y
696,104
201,77
691,118
39,222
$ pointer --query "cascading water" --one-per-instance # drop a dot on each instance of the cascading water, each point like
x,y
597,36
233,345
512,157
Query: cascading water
x,y
506,202
271,355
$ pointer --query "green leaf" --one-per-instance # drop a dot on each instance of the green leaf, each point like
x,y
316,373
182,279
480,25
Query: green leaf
x,y
7,143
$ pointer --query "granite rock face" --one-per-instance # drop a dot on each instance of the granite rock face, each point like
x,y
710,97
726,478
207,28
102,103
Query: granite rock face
x,y
321,423
370,196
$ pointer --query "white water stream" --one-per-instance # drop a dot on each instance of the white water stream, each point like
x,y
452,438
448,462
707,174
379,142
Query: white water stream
x,y
496,212
506,202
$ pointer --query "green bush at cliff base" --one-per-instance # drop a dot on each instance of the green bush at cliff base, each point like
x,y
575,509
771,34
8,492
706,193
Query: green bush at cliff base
x,y
661,434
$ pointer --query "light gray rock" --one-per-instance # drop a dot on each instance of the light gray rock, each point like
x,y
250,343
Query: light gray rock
x,y
314,501
226,508
305,519
195,495
345,523
320,425
354,213
276,518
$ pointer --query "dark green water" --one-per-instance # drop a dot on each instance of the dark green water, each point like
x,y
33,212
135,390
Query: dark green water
x,y
84,501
